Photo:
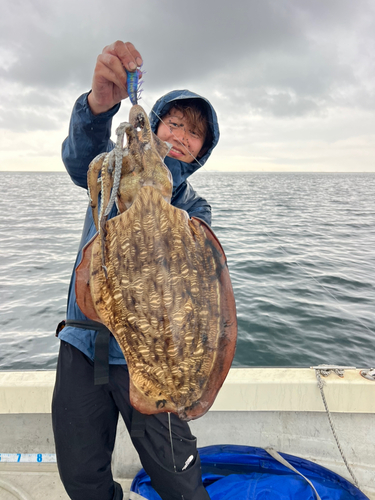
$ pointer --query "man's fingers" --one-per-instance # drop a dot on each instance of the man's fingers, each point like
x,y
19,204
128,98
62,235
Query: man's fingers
x,y
127,54
109,66
109,81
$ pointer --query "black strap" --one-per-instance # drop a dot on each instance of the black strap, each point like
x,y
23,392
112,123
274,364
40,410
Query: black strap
x,y
101,357
101,367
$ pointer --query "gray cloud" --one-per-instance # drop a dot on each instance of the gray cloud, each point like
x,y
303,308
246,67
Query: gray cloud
x,y
282,58
30,109
22,120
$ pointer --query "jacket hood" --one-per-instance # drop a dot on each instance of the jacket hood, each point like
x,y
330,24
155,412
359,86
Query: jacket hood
x,y
179,169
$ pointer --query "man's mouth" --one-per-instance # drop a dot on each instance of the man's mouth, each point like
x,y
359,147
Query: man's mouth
x,y
176,151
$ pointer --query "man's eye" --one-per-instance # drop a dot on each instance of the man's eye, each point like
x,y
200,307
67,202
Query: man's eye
x,y
173,124
194,134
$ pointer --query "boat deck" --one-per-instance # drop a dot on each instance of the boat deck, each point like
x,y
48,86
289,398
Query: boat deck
x,y
278,408
29,482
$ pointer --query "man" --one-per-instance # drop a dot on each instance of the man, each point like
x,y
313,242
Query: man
x,y
88,396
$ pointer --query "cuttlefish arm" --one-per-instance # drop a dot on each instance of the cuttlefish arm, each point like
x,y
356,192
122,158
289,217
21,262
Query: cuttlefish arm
x,y
94,185
118,152
106,187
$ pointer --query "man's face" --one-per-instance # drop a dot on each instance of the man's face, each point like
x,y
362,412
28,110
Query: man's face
x,y
185,139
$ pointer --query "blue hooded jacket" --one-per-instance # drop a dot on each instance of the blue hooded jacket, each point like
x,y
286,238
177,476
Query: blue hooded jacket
x,y
89,135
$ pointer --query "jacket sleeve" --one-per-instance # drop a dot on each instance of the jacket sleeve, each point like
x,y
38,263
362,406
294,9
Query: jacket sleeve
x,y
187,199
89,135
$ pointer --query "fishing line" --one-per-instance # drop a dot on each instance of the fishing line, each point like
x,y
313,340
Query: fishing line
x,y
170,437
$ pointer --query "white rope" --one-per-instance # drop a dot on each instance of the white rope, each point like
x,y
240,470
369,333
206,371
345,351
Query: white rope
x,y
325,371
274,454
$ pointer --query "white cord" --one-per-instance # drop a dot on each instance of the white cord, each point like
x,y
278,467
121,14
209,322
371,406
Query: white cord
x,y
170,437
340,372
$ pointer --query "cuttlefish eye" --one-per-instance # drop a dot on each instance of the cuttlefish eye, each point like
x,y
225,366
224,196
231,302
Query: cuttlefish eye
x,y
139,122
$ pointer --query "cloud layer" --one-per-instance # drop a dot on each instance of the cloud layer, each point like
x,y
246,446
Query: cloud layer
x,y
275,70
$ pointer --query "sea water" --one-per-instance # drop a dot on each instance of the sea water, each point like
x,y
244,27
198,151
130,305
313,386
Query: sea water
x,y
300,250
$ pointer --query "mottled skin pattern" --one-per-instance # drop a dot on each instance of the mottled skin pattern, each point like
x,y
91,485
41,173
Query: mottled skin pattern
x,y
165,291
139,164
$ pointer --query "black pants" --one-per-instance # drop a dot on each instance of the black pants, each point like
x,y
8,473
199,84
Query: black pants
x,y
84,418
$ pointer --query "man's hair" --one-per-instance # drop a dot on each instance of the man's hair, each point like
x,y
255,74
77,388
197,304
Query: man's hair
x,y
196,113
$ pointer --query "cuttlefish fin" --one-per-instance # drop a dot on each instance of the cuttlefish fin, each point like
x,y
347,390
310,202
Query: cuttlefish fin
x,y
82,283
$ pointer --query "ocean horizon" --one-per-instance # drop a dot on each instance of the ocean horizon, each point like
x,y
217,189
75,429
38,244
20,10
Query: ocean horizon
x,y
300,250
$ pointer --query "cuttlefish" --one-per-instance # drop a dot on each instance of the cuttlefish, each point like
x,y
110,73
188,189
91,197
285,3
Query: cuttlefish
x,y
157,279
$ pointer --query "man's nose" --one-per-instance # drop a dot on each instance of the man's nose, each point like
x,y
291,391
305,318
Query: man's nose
x,y
180,133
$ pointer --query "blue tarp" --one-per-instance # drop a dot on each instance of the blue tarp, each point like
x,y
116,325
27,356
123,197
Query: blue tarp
x,y
232,472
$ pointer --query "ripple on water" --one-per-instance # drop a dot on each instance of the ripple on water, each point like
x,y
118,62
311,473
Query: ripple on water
x,y
300,250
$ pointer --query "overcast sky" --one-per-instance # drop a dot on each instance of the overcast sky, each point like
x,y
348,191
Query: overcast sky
x,y
292,80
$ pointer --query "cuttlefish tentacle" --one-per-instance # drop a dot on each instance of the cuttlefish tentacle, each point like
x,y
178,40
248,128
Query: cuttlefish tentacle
x,y
94,184
106,186
118,152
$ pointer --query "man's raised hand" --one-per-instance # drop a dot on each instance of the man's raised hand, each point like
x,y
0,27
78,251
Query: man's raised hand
x,y
109,80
